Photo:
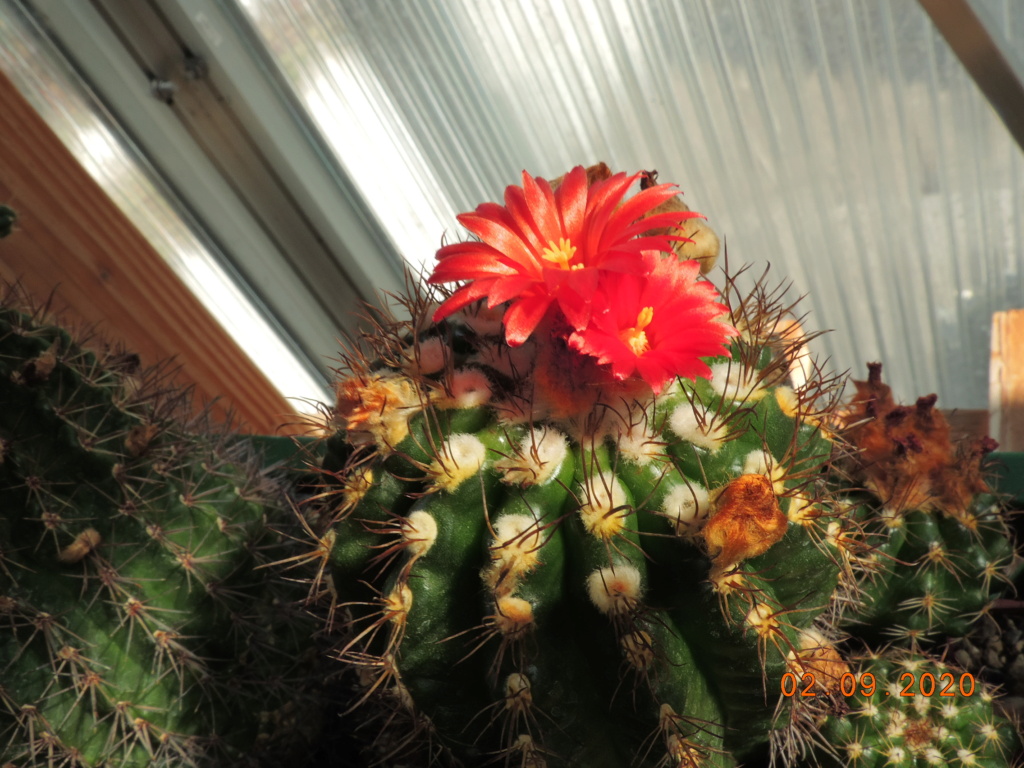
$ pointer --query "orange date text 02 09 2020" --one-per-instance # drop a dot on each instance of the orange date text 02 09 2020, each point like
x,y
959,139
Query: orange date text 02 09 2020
x,y
945,684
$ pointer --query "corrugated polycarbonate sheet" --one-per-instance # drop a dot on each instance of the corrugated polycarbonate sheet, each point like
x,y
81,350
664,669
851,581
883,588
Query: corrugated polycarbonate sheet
x,y
839,140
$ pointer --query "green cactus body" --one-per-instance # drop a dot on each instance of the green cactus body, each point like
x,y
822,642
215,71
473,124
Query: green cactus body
x,y
561,575
134,630
930,575
936,539
913,711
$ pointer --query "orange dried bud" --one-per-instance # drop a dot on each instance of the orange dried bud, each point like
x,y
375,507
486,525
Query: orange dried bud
x,y
747,521
378,406
906,455
819,658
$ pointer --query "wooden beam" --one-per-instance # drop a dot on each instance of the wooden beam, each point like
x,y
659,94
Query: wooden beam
x,y
1006,380
72,240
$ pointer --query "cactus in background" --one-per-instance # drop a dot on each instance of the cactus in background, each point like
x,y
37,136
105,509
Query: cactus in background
x,y
937,537
899,708
134,628
582,522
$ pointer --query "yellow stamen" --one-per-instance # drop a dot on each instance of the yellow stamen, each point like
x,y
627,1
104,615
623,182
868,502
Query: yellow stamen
x,y
560,254
634,337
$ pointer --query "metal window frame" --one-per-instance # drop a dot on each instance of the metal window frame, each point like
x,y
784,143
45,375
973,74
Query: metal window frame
x,y
974,34
302,243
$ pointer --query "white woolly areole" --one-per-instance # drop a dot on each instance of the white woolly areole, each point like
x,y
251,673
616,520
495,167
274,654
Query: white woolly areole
x,y
966,756
736,382
467,388
516,683
398,603
419,530
949,710
788,402
537,459
892,518
895,754
461,458
428,356
684,422
763,463
854,750
762,619
633,435
604,494
728,582
687,506
640,447
835,535
514,552
614,590
870,710
509,530
757,463
802,511
811,639
921,704
987,731
638,649
518,694
513,616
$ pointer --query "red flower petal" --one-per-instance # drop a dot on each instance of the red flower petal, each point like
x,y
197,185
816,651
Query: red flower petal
x,y
684,324
571,200
465,295
547,246
523,317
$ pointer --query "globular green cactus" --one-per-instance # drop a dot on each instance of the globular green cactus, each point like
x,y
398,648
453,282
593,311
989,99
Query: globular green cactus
x,y
903,709
936,538
135,628
592,530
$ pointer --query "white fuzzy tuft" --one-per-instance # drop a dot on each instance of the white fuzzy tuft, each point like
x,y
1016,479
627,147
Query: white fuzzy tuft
x,y
736,382
616,590
420,531
537,459
762,619
514,552
462,457
700,432
605,507
763,463
688,507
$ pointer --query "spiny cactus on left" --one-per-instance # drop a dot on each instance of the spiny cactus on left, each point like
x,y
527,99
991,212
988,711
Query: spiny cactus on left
x,y
135,628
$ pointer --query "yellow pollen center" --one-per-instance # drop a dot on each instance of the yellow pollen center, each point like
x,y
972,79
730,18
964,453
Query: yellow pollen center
x,y
561,254
634,337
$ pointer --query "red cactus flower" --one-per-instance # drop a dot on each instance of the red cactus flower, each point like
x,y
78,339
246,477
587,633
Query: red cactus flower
x,y
659,325
546,246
